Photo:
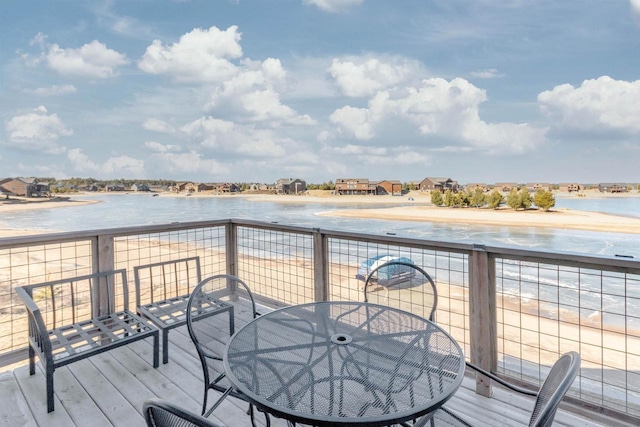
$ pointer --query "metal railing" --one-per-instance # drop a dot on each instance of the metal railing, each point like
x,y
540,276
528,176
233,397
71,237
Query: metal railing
x,y
513,311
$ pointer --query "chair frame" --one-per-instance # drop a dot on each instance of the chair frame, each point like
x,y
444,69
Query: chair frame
x,y
204,355
195,420
170,313
371,277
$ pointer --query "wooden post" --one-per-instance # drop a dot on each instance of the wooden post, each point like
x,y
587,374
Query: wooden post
x,y
106,262
231,248
482,316
320,266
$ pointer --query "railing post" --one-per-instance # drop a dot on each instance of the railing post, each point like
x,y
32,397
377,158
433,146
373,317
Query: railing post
x,y
231,248
106,262
320,266
482,316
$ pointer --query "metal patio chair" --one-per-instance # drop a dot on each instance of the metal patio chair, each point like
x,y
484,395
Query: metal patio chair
x,y
548,397
160,413
209,334
407,287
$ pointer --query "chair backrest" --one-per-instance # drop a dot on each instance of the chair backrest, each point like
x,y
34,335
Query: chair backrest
x,y
554,388
159,413
74,299
210,333
167,279
403,285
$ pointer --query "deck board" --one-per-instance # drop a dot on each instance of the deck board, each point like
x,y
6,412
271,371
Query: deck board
x,y
109,389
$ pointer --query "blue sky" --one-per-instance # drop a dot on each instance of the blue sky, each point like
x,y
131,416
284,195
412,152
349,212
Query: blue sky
x,y
254,91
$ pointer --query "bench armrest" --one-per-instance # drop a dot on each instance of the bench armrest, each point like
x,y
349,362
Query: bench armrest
x,y
38,333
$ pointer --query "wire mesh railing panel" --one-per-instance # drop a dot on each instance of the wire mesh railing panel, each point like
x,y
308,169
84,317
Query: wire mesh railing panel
x,y
207,243
26,265
545,310
350,261
276,264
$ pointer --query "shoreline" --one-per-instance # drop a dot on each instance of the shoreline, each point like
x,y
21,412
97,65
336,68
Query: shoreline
x,y
394,208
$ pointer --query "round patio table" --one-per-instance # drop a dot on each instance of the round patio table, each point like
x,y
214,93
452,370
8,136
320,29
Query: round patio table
x,y
344,363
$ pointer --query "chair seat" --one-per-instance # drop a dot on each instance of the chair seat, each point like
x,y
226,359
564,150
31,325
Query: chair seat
x,y
79,340
172,312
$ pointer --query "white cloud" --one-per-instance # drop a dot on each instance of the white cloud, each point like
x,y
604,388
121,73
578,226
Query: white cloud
x,y
157,125
92,60
600,104
199,56
37,131
161,148
333,5
53,90
115,166
635,10
489,73
191,163
227,137
441,110
365,76
356,121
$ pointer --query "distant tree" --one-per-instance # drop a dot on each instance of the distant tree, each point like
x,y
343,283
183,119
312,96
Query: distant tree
x,y
513,200
495,199
463,199
436,198
449,198
478,199
544,200
525,198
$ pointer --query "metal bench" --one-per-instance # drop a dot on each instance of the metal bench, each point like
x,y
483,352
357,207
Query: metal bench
x,y
165,288
75,318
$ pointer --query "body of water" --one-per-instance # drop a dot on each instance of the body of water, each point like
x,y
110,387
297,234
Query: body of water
x,y
142,209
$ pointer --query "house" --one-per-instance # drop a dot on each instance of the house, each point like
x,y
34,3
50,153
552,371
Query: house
x,y
179,187
570,187
355,186
612,187
393,187
114,187
535,186
505,187
441,184
26,187
139,187
89,187
414,185
290,186
192,187
226,187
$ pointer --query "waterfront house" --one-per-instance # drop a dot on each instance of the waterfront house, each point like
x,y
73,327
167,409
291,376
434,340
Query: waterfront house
x,y
441,184
393,187
570,187
26,187
226,187
139,187
290,186
114,187
608,187
355,186
535,186
505,187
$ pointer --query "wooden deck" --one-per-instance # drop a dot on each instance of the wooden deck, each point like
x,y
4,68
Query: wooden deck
x,y
109,390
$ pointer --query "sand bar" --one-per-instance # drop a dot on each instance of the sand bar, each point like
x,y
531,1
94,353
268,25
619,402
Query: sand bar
x,y
560,218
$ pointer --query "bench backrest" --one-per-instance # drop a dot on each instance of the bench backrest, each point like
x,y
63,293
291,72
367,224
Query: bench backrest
x,y
71,300
167,279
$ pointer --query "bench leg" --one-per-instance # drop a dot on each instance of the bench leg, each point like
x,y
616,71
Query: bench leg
x,y
156,349
32,361
232,325
165,346
49,374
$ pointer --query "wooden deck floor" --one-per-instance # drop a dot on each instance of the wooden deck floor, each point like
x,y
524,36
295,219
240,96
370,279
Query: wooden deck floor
x,y
109,390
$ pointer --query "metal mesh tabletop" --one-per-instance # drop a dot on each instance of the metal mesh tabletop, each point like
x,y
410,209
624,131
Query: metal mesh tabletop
x,y
344,363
